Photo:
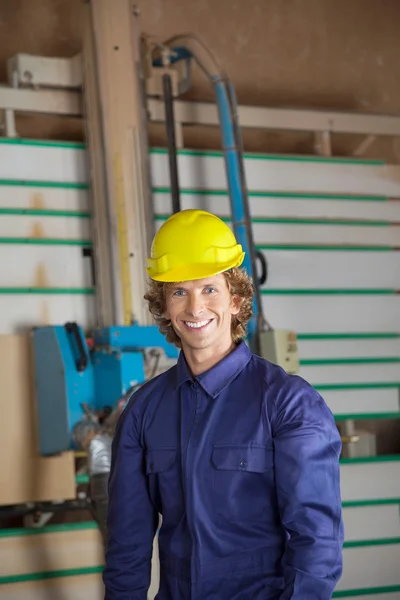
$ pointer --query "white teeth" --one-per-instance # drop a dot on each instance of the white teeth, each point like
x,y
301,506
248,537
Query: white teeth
x,y
197,325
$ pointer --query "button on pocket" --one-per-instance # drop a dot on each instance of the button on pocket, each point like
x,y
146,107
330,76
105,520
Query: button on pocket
x,y
243,481
163,473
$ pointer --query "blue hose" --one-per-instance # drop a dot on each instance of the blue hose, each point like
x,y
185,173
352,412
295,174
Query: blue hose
x,y
237,189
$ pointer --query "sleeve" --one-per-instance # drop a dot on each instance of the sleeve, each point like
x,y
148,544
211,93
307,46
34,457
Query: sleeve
x,y
307,451
132,519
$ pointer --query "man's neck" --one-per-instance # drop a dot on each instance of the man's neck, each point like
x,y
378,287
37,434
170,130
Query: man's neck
x,y
201,360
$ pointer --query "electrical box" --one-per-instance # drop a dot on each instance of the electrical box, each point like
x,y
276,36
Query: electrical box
x,y
279,346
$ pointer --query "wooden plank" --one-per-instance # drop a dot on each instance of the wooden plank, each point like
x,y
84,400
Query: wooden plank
x,y
370,567
274,174
363,347
362,401
217,201
50,552
203,113
342,313
321,269
369,480
82,587
43,162
40,265
19,313
25,476
73,228
371,522
54,549
67,103
43,197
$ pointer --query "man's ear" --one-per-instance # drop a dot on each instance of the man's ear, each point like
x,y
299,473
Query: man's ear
x,y
236,303
166,313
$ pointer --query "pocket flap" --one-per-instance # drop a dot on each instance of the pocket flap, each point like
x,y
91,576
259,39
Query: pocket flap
x,y
159,460
241,458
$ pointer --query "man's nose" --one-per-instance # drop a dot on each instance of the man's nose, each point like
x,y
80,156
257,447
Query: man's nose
x,y
195,305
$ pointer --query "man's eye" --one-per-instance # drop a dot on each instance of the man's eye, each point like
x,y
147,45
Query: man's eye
x,y
179,293
210,290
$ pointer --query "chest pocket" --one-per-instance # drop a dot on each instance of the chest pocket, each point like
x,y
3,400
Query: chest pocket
x,y
165,487
243,481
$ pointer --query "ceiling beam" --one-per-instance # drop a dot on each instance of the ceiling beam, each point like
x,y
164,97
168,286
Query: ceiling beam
x,y
55,102
69,103
284,119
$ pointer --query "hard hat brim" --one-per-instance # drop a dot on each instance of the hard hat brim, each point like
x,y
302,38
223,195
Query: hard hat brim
x,y
193,272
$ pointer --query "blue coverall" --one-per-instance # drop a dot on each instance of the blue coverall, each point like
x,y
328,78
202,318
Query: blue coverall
x,y
243,464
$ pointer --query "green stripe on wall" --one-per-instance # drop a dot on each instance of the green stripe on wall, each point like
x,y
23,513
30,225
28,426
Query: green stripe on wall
x,y
367,416
44,143
327,291
349,361
327,221
61,528
325,247
371,459
37,212
45,241
357,386
377,542
283,247
49,575
347,336
298,158
38,290
280,157
262,194
376,502
366,591
303,221
44,184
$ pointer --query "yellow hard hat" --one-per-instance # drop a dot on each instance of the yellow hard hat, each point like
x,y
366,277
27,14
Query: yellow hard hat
x,y
193,244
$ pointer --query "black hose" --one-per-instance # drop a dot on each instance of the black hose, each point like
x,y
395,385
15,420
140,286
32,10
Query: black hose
x,y
249,229
171,141
264,268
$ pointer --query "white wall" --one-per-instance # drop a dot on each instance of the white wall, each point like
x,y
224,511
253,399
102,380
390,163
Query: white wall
x,y
342,301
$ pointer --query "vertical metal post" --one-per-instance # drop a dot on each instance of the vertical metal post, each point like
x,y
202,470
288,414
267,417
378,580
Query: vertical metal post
x,y
171,141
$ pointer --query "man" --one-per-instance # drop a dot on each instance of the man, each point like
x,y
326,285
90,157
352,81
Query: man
x,y
239,458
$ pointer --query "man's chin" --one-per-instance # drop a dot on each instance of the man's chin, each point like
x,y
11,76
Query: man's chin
x,y
195,344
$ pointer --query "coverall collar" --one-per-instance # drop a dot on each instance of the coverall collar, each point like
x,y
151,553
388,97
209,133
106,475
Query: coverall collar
x,y
218,377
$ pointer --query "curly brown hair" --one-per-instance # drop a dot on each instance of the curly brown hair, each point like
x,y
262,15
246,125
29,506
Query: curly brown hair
x,y
239,284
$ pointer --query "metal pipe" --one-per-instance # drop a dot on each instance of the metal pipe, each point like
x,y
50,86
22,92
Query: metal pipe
x,y
172,157
237,191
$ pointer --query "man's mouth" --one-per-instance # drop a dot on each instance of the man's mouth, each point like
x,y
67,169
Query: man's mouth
x,y
197,325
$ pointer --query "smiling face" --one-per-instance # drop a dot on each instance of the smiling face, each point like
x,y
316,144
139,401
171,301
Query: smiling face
x,y
201,312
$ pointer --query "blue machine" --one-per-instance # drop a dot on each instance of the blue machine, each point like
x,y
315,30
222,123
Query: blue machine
x,y
69,375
